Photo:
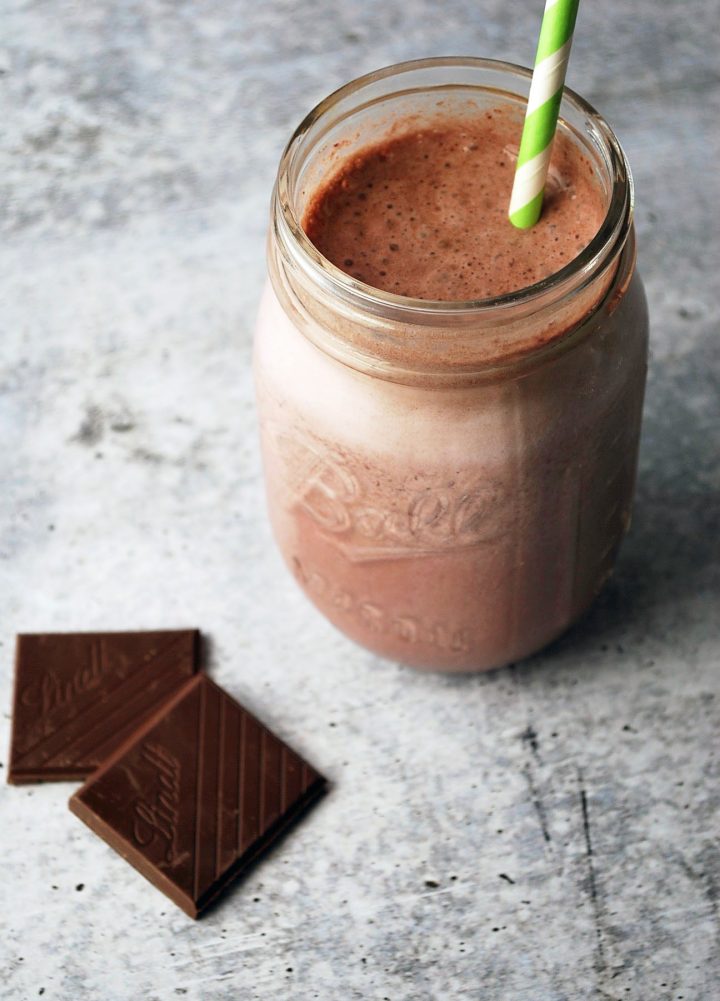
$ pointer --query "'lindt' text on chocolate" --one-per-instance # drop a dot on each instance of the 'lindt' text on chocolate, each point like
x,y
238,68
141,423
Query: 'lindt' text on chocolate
x,y
159,816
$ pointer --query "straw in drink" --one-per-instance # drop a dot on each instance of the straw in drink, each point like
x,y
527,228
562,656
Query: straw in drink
x,y
541,116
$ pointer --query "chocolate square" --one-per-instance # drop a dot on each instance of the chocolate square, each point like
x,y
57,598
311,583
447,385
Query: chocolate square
x,y
78,696
194,797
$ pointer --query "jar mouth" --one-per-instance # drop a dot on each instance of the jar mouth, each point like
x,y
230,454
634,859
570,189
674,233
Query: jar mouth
x,y
603,247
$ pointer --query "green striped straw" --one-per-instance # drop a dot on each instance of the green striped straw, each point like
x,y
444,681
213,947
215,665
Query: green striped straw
x,y
543,106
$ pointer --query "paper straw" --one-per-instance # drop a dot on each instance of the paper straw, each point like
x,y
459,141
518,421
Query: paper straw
x,y
543,106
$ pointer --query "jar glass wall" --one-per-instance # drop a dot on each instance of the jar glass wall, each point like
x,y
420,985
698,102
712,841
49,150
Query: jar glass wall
x,y
449,482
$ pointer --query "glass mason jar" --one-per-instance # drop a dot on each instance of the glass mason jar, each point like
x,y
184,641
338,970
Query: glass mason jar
x,y
449,482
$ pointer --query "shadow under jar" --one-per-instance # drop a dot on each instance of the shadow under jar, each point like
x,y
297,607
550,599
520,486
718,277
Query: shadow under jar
x,y
449,482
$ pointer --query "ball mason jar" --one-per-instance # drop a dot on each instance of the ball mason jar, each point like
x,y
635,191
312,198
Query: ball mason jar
x,y
449,482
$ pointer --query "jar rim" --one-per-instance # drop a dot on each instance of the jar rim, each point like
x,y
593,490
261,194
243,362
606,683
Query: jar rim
x,y
575,274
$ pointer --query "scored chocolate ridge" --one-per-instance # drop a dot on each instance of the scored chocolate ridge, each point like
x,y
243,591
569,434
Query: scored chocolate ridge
x,y
79,695
197,794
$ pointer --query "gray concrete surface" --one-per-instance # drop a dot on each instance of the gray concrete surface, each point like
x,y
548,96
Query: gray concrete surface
x,y
548,832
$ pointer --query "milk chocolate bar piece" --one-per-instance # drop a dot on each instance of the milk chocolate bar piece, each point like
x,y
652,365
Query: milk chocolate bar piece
x,y
194,797
80,695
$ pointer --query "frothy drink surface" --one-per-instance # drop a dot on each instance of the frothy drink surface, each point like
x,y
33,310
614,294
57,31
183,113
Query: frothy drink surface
x,y
424,214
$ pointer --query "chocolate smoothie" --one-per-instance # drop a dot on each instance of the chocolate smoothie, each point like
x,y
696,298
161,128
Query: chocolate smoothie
x,y
449,487
424,214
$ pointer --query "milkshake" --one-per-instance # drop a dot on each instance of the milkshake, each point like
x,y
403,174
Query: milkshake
x,y
449,407
425,214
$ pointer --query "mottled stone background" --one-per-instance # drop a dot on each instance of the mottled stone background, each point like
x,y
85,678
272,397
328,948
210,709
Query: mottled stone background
x,y
548,832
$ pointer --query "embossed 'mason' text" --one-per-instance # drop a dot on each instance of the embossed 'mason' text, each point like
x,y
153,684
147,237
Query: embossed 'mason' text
x,y
378,619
